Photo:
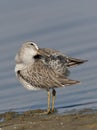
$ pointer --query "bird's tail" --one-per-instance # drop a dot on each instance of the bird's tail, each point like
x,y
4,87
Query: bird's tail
x,y
74,62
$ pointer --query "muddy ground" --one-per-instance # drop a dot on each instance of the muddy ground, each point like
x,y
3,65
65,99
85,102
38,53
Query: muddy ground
x,y
35,120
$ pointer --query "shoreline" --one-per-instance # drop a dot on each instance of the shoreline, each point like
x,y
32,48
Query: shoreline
x,y
85,119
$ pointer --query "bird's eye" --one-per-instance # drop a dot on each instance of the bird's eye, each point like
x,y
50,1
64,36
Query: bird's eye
x,y
32,44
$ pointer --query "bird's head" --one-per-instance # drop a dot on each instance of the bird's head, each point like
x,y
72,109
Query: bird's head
x,y
27,52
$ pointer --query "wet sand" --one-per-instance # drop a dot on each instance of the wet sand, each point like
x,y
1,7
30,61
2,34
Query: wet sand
x,y
35,120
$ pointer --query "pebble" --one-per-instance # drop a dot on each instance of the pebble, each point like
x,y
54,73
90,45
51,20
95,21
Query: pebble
x,y
61,123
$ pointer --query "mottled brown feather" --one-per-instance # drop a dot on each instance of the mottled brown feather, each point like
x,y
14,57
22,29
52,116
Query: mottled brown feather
x,y
42,76
48,51
66,60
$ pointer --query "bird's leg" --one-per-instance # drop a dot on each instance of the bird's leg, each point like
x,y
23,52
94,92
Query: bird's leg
x,y
53,99
49,95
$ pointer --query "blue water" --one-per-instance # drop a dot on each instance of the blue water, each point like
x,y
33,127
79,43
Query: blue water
x,y
69,26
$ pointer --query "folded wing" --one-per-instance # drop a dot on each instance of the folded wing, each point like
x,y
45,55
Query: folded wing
x,y
66,60
43,76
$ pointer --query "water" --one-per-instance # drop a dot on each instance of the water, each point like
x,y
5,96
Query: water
x,y
69,26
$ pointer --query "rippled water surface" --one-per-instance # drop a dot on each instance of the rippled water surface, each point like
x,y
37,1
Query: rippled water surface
x,y
69,26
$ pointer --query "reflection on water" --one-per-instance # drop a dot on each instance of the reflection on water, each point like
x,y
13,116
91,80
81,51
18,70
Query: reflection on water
x,y
68,27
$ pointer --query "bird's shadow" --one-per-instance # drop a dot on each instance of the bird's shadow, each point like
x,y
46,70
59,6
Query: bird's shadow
x,y
75,105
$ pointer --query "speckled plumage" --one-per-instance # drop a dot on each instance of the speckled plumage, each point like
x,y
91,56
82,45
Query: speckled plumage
x,y
43,77
58,61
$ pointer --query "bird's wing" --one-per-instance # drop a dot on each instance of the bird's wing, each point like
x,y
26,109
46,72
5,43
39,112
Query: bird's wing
x,y
67,60
49,52
42,76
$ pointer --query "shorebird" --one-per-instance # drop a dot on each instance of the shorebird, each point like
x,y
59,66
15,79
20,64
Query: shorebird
x,y
40,68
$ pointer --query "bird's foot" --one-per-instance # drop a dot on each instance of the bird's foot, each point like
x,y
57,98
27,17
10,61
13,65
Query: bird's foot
x,y
46,112
51,111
